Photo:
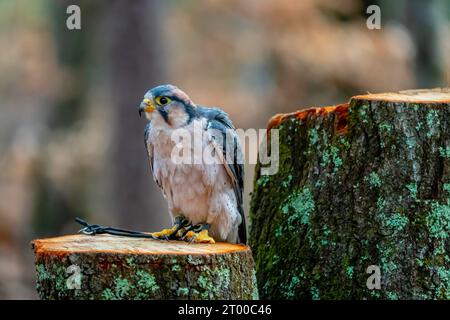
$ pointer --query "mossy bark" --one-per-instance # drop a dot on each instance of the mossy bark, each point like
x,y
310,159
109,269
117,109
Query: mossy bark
x,y
367,183
106,267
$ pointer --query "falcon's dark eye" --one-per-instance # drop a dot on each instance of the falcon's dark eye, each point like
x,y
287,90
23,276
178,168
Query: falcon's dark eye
x,y
162,101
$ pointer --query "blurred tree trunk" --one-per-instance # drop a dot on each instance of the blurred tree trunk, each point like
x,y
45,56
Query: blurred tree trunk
x,y
422,20
135,54
53,208
117,38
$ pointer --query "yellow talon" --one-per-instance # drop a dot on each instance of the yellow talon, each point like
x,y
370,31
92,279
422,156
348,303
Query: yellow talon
x,y
201,237
164,233
181,232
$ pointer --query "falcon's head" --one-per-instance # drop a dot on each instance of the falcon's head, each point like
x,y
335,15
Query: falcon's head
x,y
166,105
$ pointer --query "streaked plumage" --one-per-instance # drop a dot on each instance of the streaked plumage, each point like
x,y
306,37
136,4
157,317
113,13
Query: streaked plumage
x,y
202,193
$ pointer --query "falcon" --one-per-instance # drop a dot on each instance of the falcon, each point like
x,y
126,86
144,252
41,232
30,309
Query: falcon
x,y
204,198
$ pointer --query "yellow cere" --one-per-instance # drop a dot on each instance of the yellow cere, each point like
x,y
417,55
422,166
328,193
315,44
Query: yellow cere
x,y
149,106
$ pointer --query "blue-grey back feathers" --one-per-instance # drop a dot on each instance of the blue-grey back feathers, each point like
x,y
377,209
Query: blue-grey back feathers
x,y
219,120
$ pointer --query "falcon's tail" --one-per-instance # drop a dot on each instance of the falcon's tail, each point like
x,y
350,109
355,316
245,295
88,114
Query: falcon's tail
x,y
242,229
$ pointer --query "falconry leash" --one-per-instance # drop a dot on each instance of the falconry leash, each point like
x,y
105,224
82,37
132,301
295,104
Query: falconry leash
x,y
93,229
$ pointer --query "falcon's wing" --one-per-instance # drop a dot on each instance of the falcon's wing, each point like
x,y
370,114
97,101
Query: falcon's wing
x,y
149,147
219,120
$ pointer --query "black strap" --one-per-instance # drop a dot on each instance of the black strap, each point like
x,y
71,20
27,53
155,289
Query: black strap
x,y
93,229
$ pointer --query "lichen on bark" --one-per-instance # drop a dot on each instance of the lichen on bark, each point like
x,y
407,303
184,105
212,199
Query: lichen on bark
x,y
361,184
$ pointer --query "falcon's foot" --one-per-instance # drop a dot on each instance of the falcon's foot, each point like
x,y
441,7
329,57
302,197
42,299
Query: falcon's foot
x,y
199,235
174,232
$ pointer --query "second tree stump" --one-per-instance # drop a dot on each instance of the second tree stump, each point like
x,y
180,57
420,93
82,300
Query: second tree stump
x,y
361,187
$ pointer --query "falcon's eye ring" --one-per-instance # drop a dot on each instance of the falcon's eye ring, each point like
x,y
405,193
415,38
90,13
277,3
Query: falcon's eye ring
x,y
162,101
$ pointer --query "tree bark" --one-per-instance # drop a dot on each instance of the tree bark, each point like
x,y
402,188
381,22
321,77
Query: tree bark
x,y
359,184
111,267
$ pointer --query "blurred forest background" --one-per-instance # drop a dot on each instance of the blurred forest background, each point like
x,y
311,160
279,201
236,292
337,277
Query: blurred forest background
x,y
71,141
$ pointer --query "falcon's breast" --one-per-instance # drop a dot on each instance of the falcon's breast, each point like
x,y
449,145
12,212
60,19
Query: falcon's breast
x,y
202,192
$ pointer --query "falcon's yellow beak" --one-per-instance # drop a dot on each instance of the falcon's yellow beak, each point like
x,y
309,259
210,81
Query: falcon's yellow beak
x,y
147,105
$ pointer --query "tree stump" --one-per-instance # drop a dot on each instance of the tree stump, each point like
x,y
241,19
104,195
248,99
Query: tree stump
x,y
360,184
111,267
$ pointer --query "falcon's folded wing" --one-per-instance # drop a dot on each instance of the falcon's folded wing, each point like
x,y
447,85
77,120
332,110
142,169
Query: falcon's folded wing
x,y
219,120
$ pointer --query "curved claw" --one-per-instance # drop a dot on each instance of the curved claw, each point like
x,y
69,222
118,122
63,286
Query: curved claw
x,y
163,234
174,232
200,237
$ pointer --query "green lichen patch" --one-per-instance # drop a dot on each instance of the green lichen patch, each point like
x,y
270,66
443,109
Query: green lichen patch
x,y
331,157
286,183
313,136
363,113
298,208
374,179
446,188
263,180
107,294
315,294
176,268
130,261
396,222
444,152
412,187
349,271
381,203
50,273
442,289
438,220
183,292
289,288
211,284
411,142
122,287
146,282
255,294
42,273
139,285
386,127
433,122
